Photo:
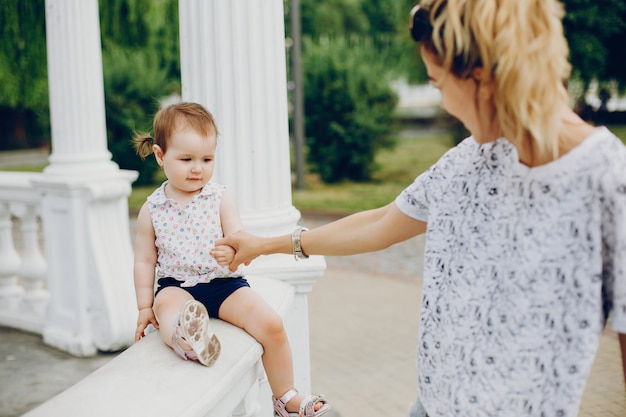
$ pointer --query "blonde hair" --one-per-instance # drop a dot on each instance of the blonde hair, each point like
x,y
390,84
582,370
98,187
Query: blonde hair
x,y
175,116
521,47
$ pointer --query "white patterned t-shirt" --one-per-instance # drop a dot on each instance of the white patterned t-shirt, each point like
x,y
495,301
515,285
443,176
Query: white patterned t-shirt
x,y
185,236
521,268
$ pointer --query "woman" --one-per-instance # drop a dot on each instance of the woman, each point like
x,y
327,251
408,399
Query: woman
x,y
525,220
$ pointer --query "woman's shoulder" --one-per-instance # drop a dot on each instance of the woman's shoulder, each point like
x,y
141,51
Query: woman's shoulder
x,y
464,158
610,152
602,151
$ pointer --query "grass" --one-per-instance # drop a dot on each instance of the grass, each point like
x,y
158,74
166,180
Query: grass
x,y
397,169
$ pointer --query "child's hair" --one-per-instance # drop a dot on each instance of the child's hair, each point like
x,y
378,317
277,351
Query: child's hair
x,y
175,116
522,48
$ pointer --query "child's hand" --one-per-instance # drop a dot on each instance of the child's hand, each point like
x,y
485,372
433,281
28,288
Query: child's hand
x,y
146,317
223,254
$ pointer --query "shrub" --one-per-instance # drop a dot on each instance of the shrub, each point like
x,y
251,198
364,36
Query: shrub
x,y
348,106
134,83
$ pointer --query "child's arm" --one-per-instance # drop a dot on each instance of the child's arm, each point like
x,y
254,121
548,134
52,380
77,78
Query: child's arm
x,y
231,223
229,214
145,263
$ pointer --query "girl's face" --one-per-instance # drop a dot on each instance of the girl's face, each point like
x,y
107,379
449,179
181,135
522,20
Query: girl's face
x,y
189,161
465,99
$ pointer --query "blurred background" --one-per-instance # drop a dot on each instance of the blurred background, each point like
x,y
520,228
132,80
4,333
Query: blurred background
x,y
365,106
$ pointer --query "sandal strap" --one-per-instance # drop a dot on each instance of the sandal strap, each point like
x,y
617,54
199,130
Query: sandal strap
x,y
288,396
307,406
178,334
281,403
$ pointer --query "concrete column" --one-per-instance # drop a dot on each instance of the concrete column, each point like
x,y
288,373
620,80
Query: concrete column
x,y
84,195
233,62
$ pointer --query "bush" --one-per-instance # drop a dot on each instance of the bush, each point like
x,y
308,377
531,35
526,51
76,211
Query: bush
x,y
348,106
134,83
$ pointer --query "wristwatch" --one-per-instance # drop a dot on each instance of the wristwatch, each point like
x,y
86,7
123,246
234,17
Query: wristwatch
x,y
296,244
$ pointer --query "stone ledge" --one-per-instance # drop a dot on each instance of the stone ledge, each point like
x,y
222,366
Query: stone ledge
x,y
148,379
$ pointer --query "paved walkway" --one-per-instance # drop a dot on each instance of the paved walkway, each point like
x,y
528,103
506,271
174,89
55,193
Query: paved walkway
x,y
363,342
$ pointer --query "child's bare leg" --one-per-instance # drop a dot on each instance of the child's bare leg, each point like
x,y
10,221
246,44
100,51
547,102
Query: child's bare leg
x,y
246,309
167,305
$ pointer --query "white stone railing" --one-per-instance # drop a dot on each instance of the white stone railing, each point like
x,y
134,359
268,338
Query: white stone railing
x,y
23,292
148,379
235,386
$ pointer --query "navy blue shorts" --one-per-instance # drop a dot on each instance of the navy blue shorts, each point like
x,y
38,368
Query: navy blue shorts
x,y
212,294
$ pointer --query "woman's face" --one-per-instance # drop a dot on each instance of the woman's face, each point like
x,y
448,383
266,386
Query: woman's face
x,y
461,98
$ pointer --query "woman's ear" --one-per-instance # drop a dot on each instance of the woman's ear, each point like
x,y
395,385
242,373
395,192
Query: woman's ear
x,y
486,86
158,154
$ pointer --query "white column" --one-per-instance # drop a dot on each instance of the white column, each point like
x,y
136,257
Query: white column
x,y
84,195
76,89
233,62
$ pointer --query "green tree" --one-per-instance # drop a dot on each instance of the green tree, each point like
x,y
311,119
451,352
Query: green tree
x,y
349,106
134,84
382,16
596,33
23,72
141,24
332,17
141,67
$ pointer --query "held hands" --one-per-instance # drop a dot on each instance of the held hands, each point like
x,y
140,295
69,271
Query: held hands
x,y
223,254
146,317
242,245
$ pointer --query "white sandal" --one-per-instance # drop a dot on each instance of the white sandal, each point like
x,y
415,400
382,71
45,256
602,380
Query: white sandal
x,y
307,406
192,327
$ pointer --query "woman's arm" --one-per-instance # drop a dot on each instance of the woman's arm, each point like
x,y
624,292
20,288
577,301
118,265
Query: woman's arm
x,y
622,343
366,231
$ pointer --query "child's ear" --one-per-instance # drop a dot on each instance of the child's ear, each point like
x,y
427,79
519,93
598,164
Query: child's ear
x,y
158,154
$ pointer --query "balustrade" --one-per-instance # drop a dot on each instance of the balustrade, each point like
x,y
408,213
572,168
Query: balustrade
x,y
23,292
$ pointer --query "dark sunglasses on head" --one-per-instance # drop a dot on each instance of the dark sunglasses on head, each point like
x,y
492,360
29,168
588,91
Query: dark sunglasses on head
x,y
419,24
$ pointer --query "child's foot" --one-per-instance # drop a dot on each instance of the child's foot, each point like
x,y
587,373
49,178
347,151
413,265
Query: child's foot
x,y
192,338
294,404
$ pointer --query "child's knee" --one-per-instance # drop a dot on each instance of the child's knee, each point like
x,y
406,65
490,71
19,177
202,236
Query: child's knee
x,y
273,329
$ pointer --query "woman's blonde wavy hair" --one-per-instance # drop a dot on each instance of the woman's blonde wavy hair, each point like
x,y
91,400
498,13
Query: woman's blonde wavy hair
x,y
521,47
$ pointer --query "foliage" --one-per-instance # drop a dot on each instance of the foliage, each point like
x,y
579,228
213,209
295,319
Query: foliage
x,y
348,106
385,24
398,168
141,67
143,24
134,84
23,72
332,17
596,32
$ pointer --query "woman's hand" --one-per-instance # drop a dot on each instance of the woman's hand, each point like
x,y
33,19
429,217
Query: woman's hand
x,y
245,245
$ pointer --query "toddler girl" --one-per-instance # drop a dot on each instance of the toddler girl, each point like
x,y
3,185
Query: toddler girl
x,y
176,232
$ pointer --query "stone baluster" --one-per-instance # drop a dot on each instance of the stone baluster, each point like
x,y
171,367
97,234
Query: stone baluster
x,y
33,267
10,290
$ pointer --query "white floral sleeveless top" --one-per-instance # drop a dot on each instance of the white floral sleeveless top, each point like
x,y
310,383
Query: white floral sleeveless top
x,y
185,236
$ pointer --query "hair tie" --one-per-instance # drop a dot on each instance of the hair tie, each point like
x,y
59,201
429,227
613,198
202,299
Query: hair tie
x,y
419,24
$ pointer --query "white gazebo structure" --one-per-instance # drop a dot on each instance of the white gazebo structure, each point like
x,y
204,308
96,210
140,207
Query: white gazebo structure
x,y
77,291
